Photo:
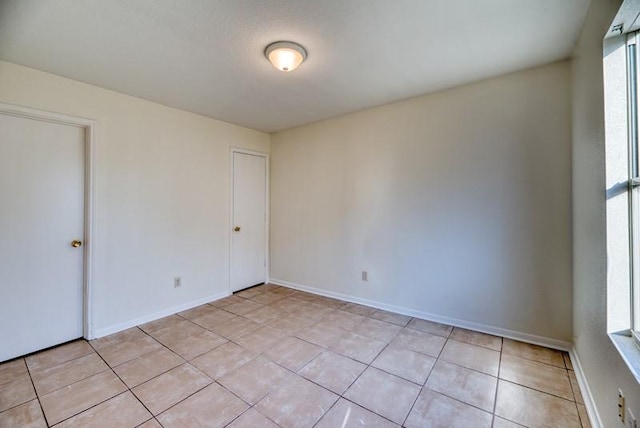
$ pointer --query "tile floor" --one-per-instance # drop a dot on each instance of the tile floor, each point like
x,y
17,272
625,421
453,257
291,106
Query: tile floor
x,y
271,356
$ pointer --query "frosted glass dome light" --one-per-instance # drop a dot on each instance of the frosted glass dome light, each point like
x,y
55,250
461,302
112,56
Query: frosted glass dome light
x,y
285,56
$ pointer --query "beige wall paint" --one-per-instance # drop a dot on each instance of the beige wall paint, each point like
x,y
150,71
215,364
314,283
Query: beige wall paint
x,y
603,367
458,204
162,189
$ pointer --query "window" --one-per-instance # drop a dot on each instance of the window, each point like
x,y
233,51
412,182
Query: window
x,y
634,178
621,84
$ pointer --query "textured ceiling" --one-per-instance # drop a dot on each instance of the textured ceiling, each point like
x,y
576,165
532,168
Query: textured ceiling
x,y
206,56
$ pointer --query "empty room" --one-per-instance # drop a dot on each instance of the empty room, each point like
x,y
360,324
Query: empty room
x,y
297,213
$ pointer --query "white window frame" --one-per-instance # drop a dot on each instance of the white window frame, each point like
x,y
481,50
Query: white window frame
x,y
633,179
621,86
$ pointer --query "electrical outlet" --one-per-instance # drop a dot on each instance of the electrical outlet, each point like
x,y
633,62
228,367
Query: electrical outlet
x,y
365,275
177,282
621,406
631,420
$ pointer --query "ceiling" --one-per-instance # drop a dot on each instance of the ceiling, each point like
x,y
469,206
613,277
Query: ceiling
x,y
206,56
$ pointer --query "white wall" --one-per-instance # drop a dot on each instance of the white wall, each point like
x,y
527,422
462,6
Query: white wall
x,y
602,365
458,204
162,188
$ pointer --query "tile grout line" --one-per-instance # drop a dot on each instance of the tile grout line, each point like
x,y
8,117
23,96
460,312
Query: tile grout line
x,y
73,383
498,378
148,380
214,381
139,356
35,391
582,424
463,367
154,377
251,406
328,410
360,375
21,403
450,337
90,407
427,379
537,390
382,350
495,395
407,325
123,382
311,381
340,396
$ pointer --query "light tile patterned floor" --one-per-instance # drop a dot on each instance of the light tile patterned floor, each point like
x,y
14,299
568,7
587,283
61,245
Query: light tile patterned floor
x,y
270,356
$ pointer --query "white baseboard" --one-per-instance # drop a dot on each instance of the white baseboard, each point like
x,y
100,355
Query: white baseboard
x,y
483,328
589,402
157,315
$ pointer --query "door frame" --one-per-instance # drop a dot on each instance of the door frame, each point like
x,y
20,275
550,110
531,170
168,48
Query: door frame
x,y
89,126
232,152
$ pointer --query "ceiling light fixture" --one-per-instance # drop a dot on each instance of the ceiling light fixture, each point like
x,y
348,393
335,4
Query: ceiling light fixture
x,y
285,56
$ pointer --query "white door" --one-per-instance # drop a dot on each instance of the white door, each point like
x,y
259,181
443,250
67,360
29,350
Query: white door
x,y
249,235
41,213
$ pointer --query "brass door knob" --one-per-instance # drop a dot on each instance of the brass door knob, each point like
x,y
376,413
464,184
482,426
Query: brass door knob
x,y
236,229
75,243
